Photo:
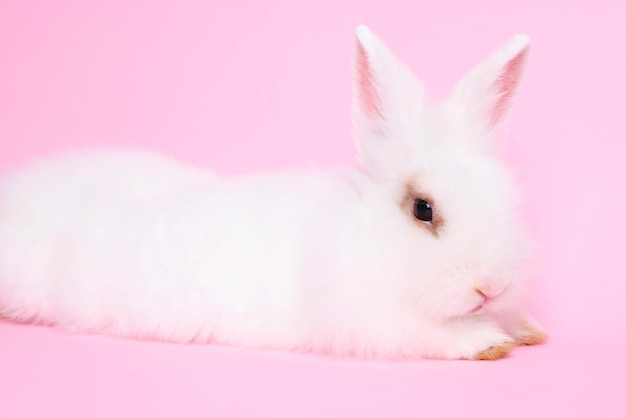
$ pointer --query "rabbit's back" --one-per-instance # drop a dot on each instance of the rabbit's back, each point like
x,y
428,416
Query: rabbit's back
x,y
142,245
50,204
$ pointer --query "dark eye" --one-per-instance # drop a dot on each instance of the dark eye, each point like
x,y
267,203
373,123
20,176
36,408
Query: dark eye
x,y
422,210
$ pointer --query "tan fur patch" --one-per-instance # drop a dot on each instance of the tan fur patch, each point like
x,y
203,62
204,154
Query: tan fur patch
x,y
406,205
531,336
495,353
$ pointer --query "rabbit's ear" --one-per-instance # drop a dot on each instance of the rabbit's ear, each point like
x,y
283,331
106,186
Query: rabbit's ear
x,y
486,93
387,98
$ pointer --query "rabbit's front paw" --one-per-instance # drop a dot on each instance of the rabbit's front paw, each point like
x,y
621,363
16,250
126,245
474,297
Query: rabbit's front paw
x,y
492,344
480,340
528,332
495,352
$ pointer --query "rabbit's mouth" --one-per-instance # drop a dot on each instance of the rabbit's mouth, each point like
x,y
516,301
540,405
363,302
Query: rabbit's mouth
x,y
480,305
477,308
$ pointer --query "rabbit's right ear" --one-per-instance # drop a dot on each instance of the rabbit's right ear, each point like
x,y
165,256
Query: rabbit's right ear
x,y
484,95
387,99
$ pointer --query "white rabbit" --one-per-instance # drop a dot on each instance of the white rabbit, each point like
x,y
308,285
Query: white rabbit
x,y
417,253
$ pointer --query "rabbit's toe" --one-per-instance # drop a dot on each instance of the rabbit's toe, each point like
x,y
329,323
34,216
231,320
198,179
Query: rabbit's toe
x,y
495,352
529,334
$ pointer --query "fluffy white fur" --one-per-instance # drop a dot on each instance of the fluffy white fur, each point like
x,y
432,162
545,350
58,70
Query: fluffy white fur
x,y
137,245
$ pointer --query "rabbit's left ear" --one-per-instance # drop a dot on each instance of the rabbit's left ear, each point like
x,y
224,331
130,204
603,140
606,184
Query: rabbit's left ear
x,y
486,93
387,99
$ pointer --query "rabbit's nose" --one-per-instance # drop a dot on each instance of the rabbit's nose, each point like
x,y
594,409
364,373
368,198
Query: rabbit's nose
x,y
488,292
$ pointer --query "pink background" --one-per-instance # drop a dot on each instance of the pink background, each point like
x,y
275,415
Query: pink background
x,y
246,85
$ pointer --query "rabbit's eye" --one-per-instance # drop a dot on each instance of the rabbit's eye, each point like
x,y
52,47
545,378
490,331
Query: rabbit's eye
x,y
422,210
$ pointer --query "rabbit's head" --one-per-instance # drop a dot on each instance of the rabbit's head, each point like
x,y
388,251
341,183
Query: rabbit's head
x,y
454,222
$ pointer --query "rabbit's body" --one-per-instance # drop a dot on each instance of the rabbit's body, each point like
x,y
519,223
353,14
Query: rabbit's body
x,y
138,245
97,241
329,261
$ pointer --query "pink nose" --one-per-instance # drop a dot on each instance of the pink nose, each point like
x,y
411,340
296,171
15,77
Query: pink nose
x,y
486,292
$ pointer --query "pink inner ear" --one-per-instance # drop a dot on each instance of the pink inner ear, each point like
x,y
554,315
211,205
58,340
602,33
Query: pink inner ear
x,y
506,85
366,90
